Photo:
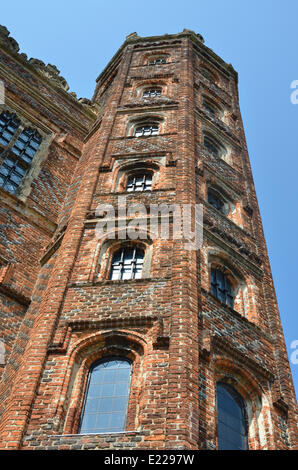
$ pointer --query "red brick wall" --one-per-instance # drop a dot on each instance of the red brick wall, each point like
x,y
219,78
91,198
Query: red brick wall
x,y
181,339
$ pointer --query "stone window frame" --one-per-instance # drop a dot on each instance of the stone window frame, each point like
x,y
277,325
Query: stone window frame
x,y
29,121
89,350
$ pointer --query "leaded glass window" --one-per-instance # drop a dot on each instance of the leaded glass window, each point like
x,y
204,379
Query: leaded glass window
x,y
146,130
139,182
151,92
221,287
17,149
127,263
231,419
106,397
8,127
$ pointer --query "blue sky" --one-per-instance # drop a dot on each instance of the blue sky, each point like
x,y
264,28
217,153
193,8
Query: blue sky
x,y
259,38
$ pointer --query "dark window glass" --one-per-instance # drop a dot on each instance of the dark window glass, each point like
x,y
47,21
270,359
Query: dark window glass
x,y
232,421
212,145
221,287
139,182
106,398
152,93
8,127
146,130
210,107
216,201
157,61
18,159
127,263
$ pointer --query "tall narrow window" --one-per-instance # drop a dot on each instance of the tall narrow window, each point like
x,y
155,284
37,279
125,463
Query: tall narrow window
x,y
17,149
232,419
139,182
146,130
216,201
221,287
106,398
127,263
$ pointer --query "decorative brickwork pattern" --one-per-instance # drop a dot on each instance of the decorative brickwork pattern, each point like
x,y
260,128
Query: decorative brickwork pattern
x,y
61,312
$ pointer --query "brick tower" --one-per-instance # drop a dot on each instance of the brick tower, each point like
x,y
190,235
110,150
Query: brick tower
x,y
121,343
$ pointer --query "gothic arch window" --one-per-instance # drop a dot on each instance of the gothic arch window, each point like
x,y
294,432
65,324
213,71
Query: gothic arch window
x,y
232,429
220,201
231,285
127,263
106,397
217,201
221,286
213,145
212,108
17,149
207,74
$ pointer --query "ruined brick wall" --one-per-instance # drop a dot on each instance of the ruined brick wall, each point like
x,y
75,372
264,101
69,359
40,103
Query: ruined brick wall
x,y
180,338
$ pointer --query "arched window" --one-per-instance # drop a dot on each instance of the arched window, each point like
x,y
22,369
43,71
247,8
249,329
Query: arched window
x,y
207,74
231,419
211,107
17,149
141,181
151,92
127,263
106,397
216,201
221,287
213,145
146,130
